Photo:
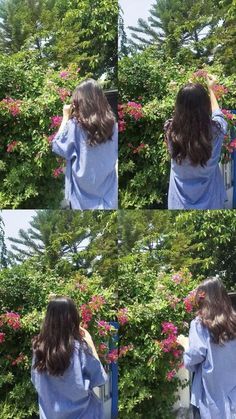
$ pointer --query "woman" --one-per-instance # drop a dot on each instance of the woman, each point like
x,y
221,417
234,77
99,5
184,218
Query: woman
x,y
194,137
211,352
65,366
88,140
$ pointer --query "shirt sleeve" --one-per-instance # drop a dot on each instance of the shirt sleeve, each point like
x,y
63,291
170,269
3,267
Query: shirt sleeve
x,y
218,116
197,351
63,143
93,370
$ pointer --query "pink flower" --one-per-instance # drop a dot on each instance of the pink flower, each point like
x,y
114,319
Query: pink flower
x,y
78,69
219,90
11,146
189,301
81,287
228,114
19,359
123,350
86,313
103,328
2,337
200,73
64,93
112,357
13,105
169,328
13,320
122,316
97,301
51,137
170,375
135,110
64,74
121,126
58,171
103,347
56,121
177,278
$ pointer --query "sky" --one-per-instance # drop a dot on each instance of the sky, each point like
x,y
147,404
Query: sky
x,y
133,10
14,220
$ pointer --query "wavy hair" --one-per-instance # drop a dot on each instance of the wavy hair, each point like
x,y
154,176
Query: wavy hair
x,y
190,133
215,310
54,345
91,109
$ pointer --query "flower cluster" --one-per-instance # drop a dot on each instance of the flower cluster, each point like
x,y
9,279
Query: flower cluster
x,y
12,320
121,116
122,316
136,150
64,74
11,146
86,314
58,171
104,328
96,303
2,337
135,110
64,93
55,121
13,105
189,301
219,90
21,357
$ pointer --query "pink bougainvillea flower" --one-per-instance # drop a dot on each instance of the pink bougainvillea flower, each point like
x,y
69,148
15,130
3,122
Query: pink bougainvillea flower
x,y
56,121
177,278
123,350
78,69
13,320
103,328
81,287
58,171
200,73
112,356
121,126
2,337
219,90
228,114
64,93
122,316
97,301
19,359
11,146
169,328
135,110
64,74
86,313
189,301
139,148
103,347
13,105
170,375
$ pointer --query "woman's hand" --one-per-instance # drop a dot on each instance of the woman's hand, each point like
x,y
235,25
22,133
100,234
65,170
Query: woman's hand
x,y
88,339
67,112
183,341
211,80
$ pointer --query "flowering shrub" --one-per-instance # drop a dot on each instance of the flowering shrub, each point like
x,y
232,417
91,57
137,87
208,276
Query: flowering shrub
x,y
30,114
151,87
156,305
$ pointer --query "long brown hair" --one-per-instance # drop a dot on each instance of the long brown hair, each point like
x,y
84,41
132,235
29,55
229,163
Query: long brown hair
x,y
215,310
190,132
93,112
55,343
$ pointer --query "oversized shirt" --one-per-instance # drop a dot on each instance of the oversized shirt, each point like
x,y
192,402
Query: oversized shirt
x,y
91,177
71,395
197,187
214,368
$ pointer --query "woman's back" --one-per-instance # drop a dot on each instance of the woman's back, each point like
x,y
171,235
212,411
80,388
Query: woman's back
x,y
214,368
70,396
91,178
199,187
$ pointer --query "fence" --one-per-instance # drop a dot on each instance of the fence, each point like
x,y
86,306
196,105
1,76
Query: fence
x,y
109,392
